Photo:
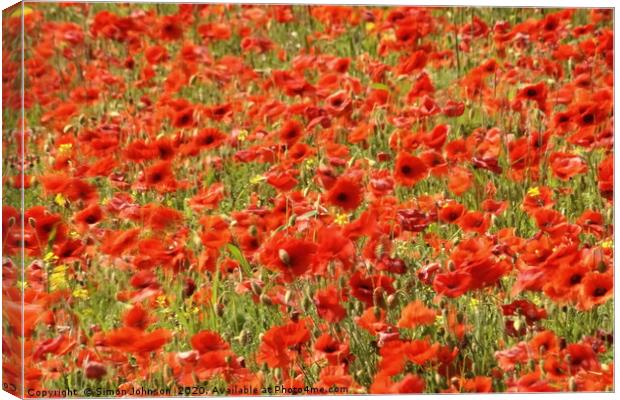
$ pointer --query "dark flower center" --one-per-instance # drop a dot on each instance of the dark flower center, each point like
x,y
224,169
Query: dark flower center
x,y
599,292
575,279
330,348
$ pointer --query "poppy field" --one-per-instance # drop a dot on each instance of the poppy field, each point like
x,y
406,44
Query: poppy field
x,y
249,199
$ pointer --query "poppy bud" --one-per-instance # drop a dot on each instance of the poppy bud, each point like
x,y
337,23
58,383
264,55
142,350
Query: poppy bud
x,y
391,300
292,220
94,370
284,257
219,309
243,337
189,288
602,267
497,373
307,303
454,382
287,296
531,363
572,385
383,156
438,379
378,297
256,289
32,222
377,312
265,299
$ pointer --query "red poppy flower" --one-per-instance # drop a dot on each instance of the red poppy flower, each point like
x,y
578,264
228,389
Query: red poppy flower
x,y
289,256
206,341
334,351
134,340
184,118
597,289
415,314
366,288
346,193
452,284
281,344
171,28
537,93
290,132
474,221
136,317
328,303
409,169
459,180
565,165
209,138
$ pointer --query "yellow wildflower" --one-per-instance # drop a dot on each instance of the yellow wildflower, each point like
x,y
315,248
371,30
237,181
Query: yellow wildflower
x,y
242,135
65,148
534,191
256,179
58,278
341,219
50,257
60,200
80,293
